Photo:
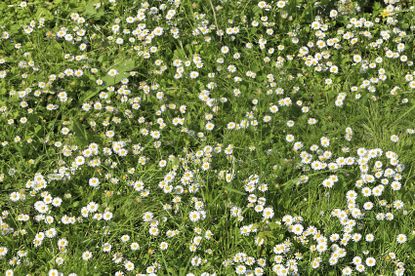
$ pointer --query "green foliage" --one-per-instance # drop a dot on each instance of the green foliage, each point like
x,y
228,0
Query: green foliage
x,y
228,137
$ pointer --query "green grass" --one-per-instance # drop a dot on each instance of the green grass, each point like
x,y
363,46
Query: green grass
x,y
149,123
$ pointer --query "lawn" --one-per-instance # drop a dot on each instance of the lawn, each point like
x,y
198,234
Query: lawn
x,y
207,137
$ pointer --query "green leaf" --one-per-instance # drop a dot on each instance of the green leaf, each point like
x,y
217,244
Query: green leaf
x,y
45,13
265,234
80,132
274,226
123,66
126,64
90,10
230,189
37,128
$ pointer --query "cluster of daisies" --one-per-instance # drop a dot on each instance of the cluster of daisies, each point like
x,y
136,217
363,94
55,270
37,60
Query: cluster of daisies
x,y
206,137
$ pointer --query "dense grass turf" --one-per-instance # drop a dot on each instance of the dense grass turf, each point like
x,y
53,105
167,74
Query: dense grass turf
x,y
207,137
